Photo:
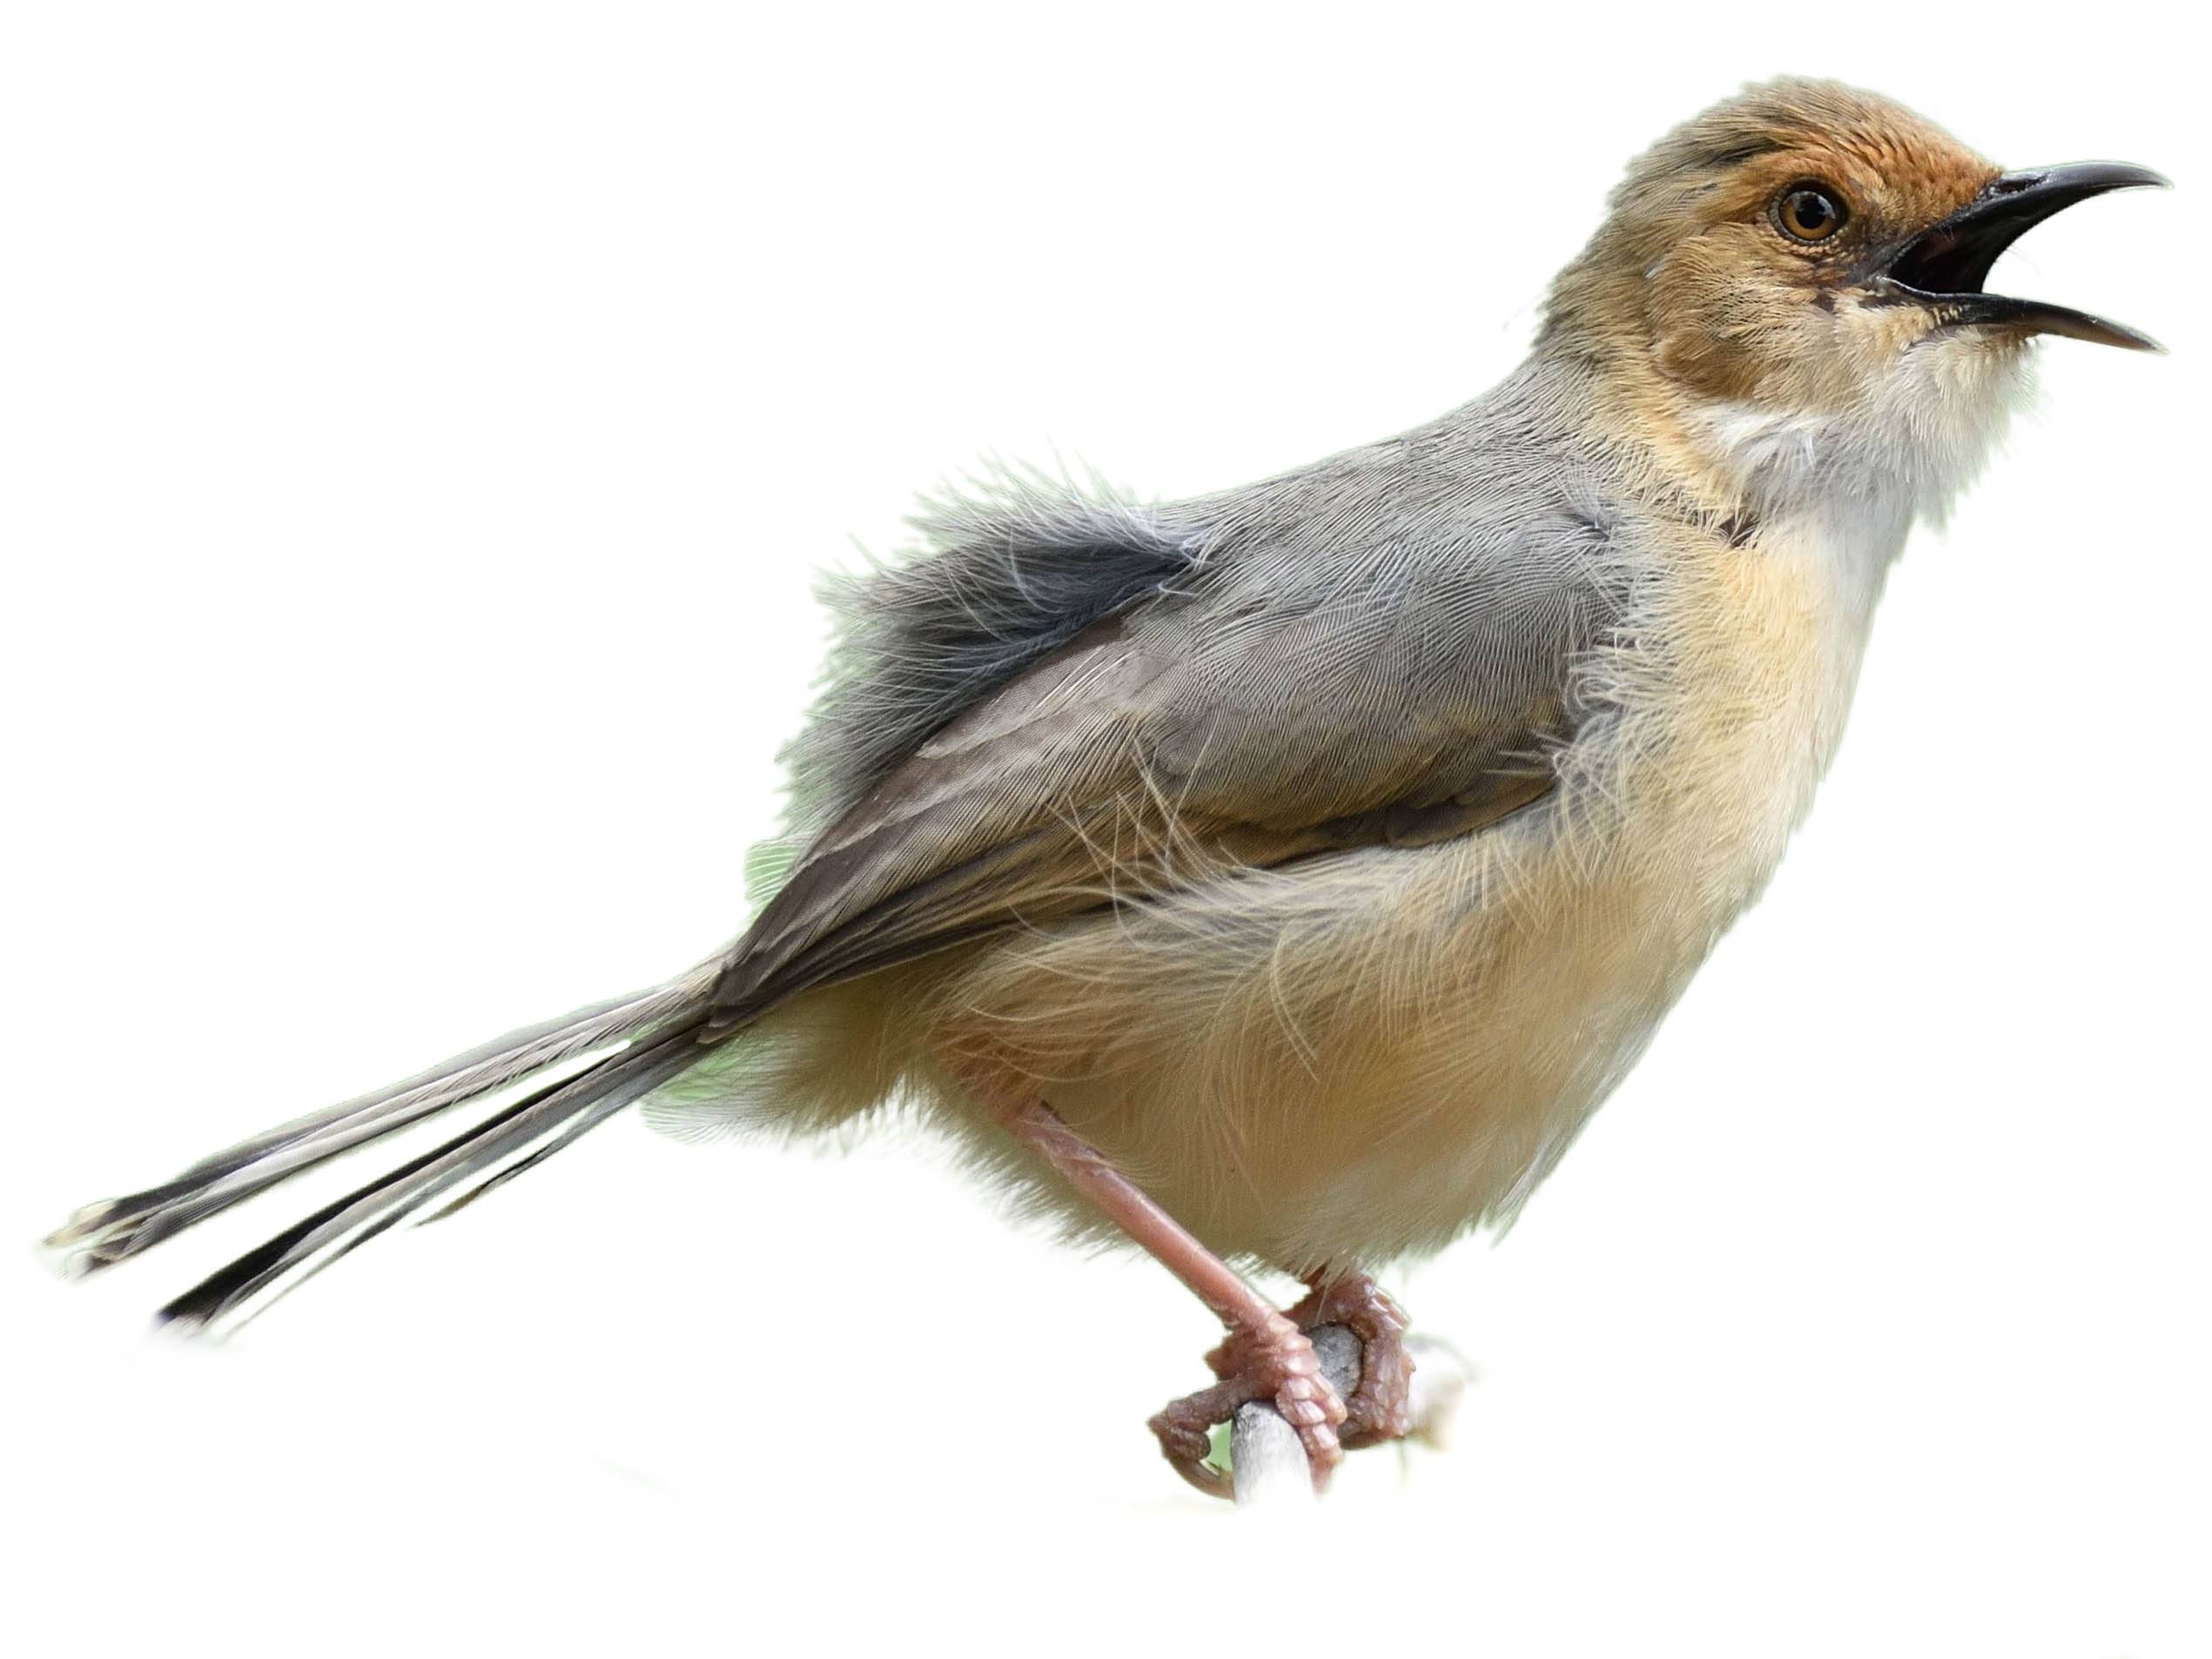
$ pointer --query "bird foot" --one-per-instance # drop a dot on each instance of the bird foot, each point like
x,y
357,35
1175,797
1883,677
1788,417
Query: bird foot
x,y
1275,1363
1381,1407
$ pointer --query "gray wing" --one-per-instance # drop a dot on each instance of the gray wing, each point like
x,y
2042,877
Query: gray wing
x,y
1378,652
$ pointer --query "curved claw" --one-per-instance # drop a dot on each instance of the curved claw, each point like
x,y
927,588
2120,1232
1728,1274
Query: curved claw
x,y
1186,1447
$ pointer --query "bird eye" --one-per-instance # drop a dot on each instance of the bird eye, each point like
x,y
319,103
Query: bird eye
x,y
1810,213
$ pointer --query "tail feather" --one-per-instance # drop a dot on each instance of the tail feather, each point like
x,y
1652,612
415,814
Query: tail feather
x,y
103,1233
540,1123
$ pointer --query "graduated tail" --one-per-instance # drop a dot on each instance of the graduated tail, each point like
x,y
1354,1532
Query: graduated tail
x,y
588,1065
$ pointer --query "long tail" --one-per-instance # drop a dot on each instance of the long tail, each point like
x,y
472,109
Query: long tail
x,y
586,1067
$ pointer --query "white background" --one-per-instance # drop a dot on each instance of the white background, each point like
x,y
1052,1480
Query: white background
x,y
421,426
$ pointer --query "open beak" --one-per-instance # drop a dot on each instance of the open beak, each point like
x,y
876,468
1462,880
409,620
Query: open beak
x,y
1944,266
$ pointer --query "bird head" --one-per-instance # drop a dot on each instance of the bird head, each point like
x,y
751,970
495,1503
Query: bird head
x,y
1812,257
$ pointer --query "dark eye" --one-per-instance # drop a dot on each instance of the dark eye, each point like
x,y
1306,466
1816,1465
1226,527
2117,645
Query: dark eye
x,y
1810,213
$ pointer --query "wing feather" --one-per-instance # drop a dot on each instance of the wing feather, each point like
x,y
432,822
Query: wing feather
x,y
1339,670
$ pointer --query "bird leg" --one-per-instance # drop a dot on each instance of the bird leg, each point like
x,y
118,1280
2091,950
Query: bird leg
x,y
1268,1356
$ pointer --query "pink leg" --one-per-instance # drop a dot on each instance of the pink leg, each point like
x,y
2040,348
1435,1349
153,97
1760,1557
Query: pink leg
x,y
1272,1359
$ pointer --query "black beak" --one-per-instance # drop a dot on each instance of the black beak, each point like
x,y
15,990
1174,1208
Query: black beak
x,y
1944,266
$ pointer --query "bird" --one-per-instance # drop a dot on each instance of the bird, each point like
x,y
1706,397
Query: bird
x,y
1276,880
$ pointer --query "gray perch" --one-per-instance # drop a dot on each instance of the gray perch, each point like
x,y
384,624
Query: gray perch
x,y
1270,1467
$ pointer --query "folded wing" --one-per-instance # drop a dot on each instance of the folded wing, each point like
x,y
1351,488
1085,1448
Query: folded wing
x,y
1338,668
